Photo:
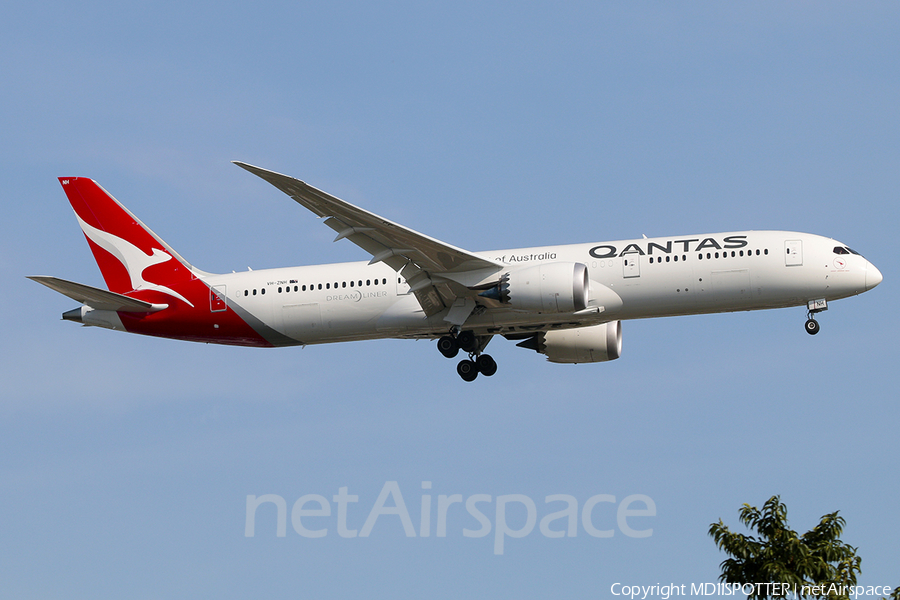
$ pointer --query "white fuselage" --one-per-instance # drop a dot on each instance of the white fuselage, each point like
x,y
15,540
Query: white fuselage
x,y
631,279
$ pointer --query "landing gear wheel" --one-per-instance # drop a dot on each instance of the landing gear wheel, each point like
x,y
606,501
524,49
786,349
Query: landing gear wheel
x,y
448,346
812,326
467,340
487,366
467,369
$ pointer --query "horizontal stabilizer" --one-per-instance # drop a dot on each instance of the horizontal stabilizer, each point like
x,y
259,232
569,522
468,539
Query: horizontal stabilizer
x,y
96,298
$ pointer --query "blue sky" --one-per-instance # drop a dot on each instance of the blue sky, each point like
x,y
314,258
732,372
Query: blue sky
x,y
126,462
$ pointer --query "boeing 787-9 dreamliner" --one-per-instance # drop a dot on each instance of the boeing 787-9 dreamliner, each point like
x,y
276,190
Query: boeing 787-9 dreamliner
x,y
565,302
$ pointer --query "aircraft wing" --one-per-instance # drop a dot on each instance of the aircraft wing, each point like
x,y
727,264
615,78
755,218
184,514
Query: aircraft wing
x,y
95,297
431,267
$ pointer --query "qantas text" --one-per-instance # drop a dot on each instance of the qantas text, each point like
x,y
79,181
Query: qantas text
x,y
647,248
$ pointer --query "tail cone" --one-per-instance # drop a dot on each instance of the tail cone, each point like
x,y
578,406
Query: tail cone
x,y
73,315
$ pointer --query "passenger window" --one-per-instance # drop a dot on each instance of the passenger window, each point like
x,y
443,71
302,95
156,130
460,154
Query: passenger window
x,y
254,292
246,292
342,285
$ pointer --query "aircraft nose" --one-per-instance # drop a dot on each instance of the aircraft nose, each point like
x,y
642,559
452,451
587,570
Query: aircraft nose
x,y
873,276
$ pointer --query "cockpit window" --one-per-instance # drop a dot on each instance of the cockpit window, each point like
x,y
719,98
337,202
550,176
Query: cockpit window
x,y
845,250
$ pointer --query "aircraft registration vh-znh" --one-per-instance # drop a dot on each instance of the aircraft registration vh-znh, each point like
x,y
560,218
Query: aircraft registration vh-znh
x,y
565,302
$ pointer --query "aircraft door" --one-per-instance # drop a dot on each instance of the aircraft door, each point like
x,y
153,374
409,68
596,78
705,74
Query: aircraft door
x,y
217,298
731,288
402,286
793,253
631,265
301,321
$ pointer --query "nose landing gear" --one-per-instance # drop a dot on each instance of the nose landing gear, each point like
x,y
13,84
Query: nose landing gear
x,y
812,326
814,306
467,341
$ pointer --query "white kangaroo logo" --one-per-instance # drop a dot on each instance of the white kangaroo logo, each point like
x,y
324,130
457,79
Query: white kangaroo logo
x,y
132,258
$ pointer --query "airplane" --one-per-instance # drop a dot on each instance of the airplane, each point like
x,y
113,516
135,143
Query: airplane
x,y
564,302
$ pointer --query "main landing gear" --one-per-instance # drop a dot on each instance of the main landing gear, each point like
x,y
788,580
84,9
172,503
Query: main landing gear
x,y
467,341
814,306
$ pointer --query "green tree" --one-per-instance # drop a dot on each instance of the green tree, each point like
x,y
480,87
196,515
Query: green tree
x,y
778,555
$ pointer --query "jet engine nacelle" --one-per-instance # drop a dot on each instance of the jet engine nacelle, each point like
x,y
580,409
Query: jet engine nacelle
x,y
548,288
597,343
